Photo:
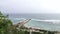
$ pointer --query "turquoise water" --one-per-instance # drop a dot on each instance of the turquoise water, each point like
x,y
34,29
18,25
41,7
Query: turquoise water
x,y
37,20
16,20
43,25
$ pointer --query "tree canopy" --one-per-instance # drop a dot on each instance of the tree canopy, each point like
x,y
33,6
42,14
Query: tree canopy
x,y
5,24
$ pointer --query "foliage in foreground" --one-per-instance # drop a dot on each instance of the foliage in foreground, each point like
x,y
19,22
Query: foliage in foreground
x,y
5,24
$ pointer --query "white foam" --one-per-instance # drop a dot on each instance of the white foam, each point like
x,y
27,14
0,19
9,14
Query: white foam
x,y
53,21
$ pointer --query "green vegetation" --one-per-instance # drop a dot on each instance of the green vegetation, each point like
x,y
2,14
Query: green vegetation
x,y
5,24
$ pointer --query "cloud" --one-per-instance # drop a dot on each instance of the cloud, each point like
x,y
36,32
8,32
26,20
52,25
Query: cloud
x,y
30,6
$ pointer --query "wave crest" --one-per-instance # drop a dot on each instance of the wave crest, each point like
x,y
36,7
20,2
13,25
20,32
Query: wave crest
x,y
52,21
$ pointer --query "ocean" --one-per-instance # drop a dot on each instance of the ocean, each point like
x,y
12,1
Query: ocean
x,y
37,16
44,21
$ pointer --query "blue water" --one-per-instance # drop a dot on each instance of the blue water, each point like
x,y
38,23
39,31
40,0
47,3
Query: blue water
x,y
37,16
47,25
43,25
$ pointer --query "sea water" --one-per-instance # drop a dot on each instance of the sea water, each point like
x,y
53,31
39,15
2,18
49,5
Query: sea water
x,y
43,21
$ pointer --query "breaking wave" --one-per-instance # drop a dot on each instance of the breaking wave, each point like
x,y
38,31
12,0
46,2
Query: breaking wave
x,y
52,21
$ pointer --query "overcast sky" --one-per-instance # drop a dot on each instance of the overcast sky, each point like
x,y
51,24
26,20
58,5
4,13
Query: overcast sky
x,y
30,6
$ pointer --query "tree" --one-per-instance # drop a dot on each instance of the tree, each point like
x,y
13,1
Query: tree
x,y
5,24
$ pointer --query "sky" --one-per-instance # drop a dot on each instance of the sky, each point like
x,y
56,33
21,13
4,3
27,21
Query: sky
x,y
30,6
